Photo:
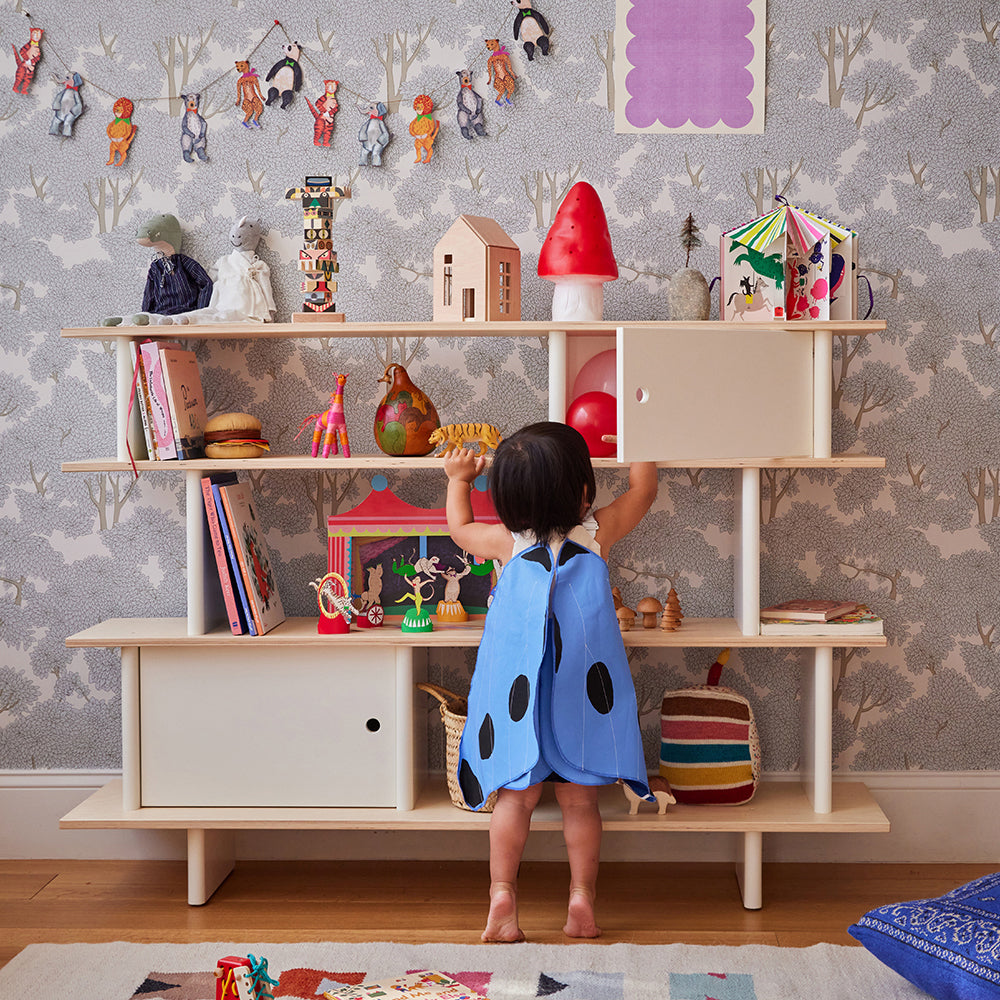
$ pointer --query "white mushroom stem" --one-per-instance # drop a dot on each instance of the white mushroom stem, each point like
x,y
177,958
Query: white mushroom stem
x,y
578,297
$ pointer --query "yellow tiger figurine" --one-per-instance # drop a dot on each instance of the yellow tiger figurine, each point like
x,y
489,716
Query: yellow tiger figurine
x,y
454,436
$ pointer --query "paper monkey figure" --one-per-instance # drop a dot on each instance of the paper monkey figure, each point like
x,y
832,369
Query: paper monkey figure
x,y
373,134
499,71
194,129
249,99
470,106
285,76
67,105
531,28
27,60
424,128
121,131
175,283
323,111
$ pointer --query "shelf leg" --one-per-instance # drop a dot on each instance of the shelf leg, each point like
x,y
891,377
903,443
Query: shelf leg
x,y
822,393
557,375
747,596
817,729
211,856
750,870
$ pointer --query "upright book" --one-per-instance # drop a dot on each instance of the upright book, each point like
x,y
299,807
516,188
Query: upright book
x,y
233,558
254,559
140,397
806,610
182,382
860,621
228,571
163,430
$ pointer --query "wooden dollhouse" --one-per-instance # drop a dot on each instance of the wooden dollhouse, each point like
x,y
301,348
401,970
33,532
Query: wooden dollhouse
x,y
477,273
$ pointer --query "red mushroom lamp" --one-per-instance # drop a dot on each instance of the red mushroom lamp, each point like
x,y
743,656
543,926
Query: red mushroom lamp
x,y
577,256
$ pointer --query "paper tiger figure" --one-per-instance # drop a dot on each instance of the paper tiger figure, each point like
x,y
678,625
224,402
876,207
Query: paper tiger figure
x,y
454,436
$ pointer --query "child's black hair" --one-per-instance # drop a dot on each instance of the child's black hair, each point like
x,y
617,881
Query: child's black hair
x,y
541,479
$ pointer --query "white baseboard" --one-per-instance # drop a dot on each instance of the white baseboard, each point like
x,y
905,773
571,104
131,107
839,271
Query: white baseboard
x,y
943,816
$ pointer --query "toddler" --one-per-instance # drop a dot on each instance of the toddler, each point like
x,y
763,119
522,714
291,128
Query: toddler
x,y
552,697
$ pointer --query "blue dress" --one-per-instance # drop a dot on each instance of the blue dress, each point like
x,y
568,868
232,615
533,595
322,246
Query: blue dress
x,y
552,693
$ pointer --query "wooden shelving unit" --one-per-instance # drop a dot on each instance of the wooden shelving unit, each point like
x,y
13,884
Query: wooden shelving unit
x,y
786,391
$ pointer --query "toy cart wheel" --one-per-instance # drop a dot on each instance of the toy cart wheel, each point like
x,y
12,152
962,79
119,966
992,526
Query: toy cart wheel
x,y
375,614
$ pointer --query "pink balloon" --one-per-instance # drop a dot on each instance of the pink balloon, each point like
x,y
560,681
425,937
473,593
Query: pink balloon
x,y
594,414
597,375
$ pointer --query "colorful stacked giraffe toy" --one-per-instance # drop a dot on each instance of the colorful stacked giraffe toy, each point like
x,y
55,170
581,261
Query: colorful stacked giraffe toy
x,y
317,258
330,427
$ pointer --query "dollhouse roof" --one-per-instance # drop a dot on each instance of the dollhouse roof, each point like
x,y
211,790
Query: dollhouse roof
x,y
803,228
488,231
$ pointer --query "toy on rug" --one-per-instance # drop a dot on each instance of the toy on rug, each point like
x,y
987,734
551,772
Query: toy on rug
x,y
499,71
531,28
335,609
27,60
660,789
175,283
329,427
67,105
239,978
121,131
323,111
285,76
424,128
670,620
577,256
317,258
194,129
373,134
452,436
249,98
470,106
406,418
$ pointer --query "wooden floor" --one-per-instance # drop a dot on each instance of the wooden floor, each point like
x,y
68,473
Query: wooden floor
x,y
65,901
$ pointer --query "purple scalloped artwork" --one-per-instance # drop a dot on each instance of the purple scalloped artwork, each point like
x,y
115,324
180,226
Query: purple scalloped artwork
x,y
690,66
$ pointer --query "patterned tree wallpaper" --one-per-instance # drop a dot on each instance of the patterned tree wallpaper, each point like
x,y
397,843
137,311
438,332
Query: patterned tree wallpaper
x,y
884,118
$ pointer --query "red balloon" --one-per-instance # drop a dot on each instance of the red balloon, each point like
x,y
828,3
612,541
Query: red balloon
x,y
594,414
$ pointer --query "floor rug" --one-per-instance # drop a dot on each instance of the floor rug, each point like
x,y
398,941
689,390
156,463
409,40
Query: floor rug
x,y
123,971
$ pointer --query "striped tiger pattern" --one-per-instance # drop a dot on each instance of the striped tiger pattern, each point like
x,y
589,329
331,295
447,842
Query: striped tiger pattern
x,y
454,436
709,751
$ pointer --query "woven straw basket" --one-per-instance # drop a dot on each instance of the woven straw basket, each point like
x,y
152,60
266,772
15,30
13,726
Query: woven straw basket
x,y
453,712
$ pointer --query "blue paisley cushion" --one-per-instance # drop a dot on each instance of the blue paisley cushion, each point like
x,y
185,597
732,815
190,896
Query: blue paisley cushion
x,y
948,946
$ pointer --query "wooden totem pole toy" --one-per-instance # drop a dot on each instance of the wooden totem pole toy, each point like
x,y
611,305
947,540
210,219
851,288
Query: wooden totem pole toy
x,y
317,258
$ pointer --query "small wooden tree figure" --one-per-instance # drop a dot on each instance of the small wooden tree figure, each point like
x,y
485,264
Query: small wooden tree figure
x,y
317,258
670,620
688,296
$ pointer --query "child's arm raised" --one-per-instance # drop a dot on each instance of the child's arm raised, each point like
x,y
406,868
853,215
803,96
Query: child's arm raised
x,y
484,541
623,513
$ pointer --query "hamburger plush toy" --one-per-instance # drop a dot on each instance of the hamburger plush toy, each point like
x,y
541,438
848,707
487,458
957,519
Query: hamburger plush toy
x,y
234,435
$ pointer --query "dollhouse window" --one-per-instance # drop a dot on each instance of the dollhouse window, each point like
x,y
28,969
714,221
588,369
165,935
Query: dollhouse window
x,y
447,279
503,287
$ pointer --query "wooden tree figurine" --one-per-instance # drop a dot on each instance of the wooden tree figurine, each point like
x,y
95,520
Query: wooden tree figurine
x,y
670,620
688,296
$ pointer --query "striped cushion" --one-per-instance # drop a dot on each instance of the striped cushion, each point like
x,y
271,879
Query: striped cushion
x,y
709,750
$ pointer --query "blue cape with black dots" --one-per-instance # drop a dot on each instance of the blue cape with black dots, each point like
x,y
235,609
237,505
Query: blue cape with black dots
x,y
552,690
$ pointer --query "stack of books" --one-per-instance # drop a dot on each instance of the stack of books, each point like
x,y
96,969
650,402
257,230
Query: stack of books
x,y
246,572
814,617
170,399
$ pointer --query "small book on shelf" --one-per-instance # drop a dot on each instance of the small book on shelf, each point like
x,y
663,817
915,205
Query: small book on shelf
x,y
140,397
252,555
228,571
806,610
232,557
427,985
159,405
186,398
860,621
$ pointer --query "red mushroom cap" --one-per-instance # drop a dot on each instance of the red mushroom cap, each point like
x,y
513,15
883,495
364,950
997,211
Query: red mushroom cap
x,y
578,242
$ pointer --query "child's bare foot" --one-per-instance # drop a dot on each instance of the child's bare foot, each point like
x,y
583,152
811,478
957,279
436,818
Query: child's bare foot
x,y
501,924
580,922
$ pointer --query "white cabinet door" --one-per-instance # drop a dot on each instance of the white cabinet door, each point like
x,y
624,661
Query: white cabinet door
x,y
249,727
710,393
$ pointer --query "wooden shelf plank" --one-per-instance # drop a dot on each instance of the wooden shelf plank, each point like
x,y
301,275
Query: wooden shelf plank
x,y
778,807
526,328
378,462
302,632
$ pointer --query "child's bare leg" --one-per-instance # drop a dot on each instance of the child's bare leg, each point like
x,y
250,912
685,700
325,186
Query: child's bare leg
x,y
582,830
509,826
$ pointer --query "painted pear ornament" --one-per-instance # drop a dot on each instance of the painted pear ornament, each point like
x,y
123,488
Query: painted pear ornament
x,y
406,418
